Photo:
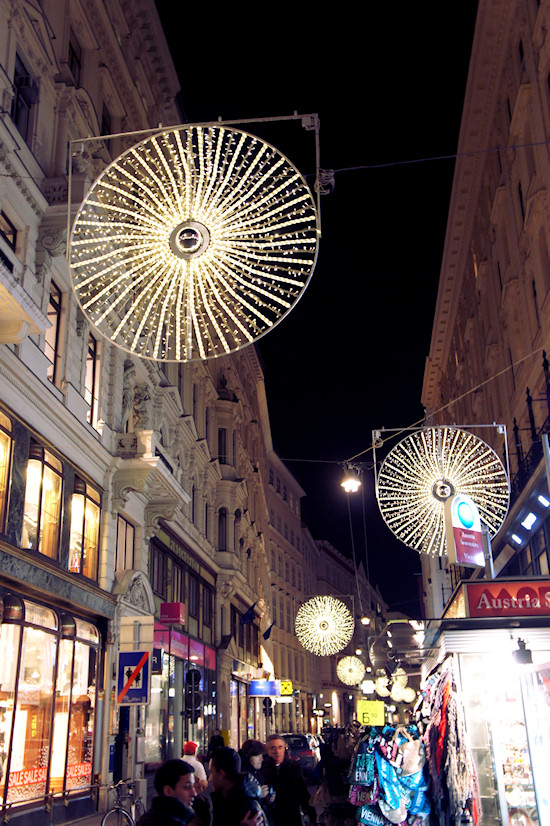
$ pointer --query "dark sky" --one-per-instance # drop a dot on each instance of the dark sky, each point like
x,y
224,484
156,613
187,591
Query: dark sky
x,y
387,82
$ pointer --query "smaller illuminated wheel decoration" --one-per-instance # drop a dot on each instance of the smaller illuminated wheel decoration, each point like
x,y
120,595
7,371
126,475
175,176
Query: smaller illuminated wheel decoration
x,y
193,244
423,470
350,670
324,625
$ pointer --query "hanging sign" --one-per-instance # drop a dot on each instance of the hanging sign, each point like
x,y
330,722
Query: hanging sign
x,y
370,712
133,678
463,532
286,688
263,688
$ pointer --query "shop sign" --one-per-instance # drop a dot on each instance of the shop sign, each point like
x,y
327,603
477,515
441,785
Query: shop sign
x,y
319,712
79,770
133,677
286,688
172,612
370,712
263,688
524,598
174,643
463,532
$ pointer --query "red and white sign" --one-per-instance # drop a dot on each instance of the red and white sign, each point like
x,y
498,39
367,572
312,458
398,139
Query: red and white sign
x,y
495,598
463,532
28,777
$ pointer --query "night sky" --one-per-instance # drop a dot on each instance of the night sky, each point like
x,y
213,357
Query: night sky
x,y
387,82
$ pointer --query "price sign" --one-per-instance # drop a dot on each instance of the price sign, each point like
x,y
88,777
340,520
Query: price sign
x,y
370,712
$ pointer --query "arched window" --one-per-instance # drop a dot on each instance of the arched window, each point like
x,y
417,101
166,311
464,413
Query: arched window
x,y
222,529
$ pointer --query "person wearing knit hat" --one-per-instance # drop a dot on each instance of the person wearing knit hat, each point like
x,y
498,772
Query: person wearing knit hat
x,y
189,755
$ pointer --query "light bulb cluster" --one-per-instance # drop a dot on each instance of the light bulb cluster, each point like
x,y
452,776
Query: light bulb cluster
x,y
424,469
394,687
324,625
193,243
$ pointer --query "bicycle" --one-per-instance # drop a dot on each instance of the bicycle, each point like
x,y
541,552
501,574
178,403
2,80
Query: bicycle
x,y
119,815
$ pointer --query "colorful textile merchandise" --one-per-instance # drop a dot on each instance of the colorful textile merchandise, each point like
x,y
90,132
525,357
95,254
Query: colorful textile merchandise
x,y
452,773
387,778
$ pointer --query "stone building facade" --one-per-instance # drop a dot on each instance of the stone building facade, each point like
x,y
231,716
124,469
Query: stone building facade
x,y
487,362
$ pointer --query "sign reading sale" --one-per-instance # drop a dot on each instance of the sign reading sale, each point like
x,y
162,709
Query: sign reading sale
x,y
463,532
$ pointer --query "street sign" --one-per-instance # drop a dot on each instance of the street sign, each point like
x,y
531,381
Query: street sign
x,y
133,678
370,712
286,688
263,688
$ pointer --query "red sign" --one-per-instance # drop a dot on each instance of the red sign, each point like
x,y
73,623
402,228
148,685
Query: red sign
x,y
79,770
27,777
524,598
172,612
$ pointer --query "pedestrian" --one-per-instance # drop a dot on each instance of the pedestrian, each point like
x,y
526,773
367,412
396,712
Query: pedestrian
x,y
235,795
189,755
285,778
175,788
252,756
216,742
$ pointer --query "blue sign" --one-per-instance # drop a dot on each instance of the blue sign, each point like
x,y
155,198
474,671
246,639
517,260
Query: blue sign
x,y
263,688
133,677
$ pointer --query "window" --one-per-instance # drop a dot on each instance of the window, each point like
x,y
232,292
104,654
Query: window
x,y
84,542
237,530
42,510
207,607
157,571
5,464
222,529
8,231
222,446
75,58
194,590
24,97
90,381
51,347
105,127
125,539
177,583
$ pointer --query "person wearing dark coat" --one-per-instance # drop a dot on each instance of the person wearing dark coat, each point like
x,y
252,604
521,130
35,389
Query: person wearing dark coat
x,y
215,742
175,787
286,779
235,795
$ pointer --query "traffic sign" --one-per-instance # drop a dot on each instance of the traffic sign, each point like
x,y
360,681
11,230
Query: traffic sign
x,y
133,678
286,688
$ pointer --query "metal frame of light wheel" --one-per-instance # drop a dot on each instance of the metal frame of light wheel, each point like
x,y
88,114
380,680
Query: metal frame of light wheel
x,y
193,243
350,670
324,625
426,467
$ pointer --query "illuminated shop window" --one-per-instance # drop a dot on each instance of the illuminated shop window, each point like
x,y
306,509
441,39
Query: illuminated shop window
x,y
42,513
5,463
84,544
46,735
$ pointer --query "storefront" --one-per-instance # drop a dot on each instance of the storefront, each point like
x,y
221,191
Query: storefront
x,y
494,645
247,718
48,708
181,708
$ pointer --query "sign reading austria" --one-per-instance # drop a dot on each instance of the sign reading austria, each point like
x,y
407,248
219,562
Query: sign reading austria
x,y
522,598
463,531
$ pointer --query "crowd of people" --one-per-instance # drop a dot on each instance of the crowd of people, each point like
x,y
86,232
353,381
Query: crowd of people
x,y
258,786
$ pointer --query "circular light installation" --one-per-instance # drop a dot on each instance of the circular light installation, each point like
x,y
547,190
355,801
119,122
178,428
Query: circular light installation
x,y
193,244
350,670
324,625
427,467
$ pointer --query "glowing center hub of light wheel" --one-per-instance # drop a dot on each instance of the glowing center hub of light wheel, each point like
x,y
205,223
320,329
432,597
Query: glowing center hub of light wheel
x,y
323,625
189,240
442,489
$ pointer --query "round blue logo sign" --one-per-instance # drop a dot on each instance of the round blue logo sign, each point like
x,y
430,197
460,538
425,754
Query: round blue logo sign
x,y
465,514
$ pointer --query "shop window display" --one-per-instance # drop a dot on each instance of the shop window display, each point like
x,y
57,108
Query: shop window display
x,y
46,735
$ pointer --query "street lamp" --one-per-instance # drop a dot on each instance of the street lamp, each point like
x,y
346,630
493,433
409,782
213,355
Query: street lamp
x,y
351,481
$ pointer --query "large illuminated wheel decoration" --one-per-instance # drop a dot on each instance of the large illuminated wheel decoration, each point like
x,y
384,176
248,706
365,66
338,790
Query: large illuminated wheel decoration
x,y
427,467
350,670
193,243
324,625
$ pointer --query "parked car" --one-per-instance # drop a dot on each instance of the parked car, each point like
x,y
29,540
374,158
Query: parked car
x,y
304,749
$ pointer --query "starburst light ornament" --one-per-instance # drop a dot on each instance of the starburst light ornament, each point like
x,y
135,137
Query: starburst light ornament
x,y
427,467
324,625
193,243
350,670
